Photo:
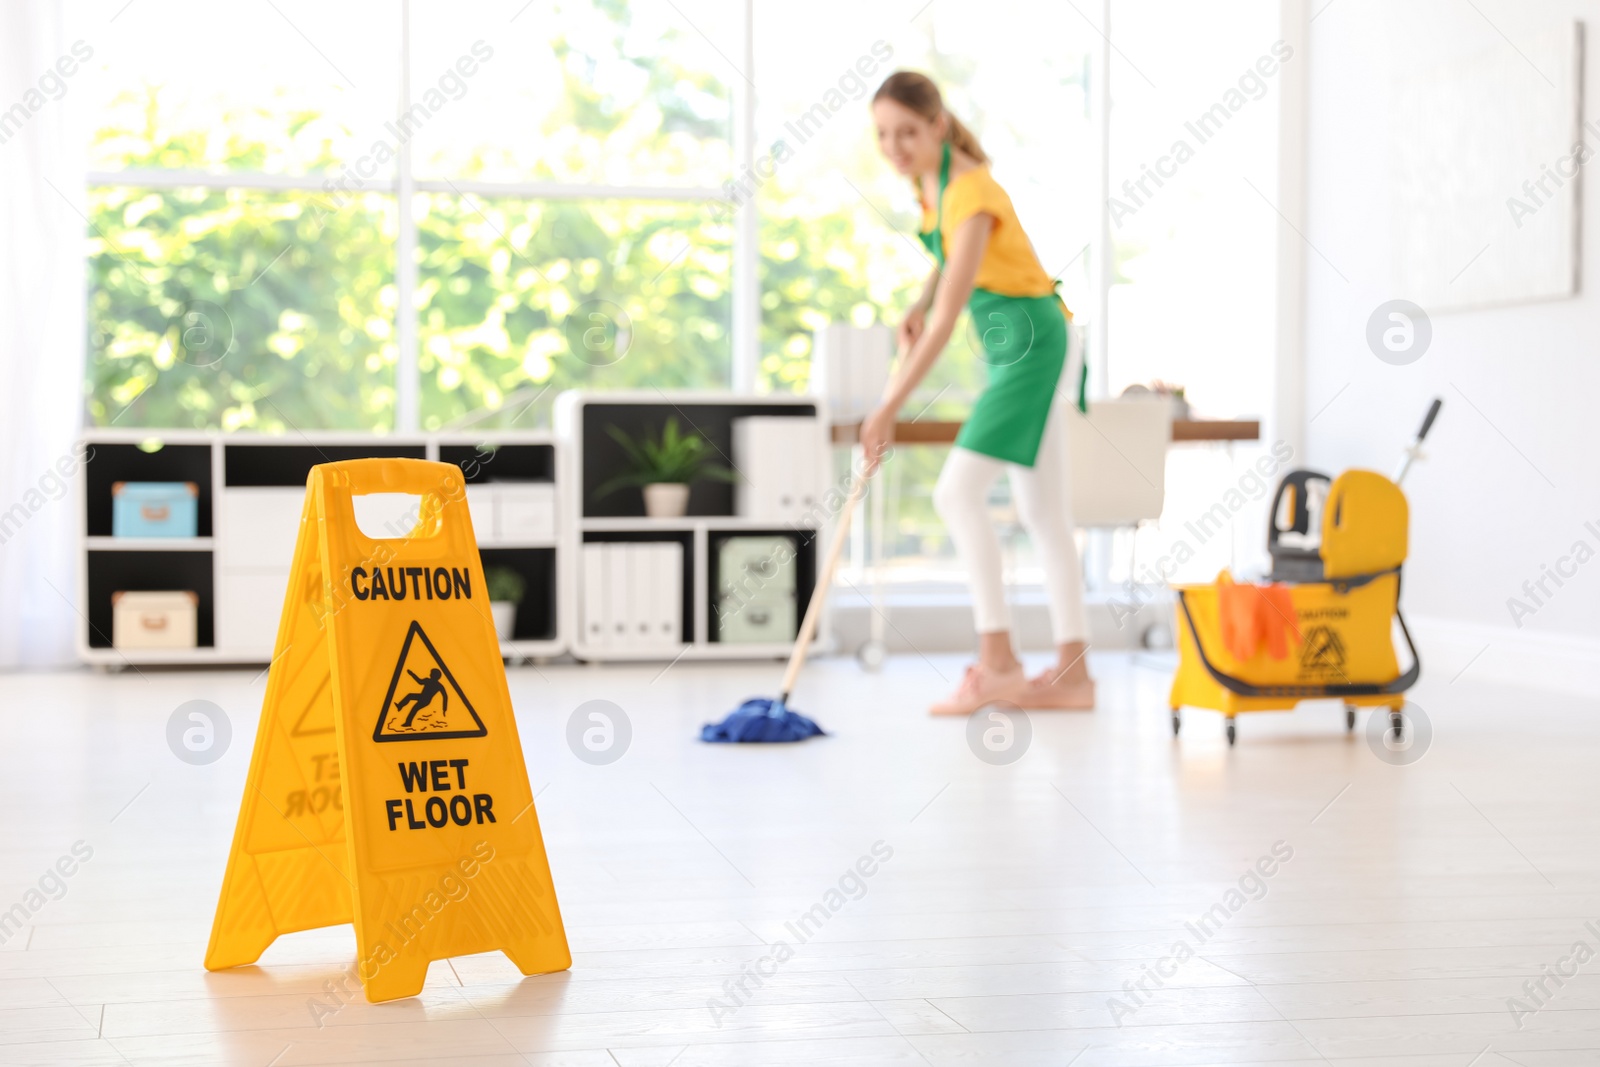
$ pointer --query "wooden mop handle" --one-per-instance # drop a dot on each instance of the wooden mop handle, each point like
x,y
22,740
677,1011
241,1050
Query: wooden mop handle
x,y
808,627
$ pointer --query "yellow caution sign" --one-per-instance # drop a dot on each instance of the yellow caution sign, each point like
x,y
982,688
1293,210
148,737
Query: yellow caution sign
x,y
387,786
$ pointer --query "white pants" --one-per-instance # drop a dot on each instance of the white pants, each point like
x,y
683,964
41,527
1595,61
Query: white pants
x,y
1045,507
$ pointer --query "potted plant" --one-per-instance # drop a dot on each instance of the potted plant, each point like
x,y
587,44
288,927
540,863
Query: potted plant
x,y
664,468
506,587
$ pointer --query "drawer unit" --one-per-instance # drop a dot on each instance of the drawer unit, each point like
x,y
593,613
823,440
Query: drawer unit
x,y
757,621
756,590
756,566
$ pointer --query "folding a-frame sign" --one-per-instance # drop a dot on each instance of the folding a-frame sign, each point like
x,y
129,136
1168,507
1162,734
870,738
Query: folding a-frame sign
x,y
387,786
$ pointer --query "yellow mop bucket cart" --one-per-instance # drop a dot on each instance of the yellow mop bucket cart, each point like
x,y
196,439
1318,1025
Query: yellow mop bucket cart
x,y
1344,587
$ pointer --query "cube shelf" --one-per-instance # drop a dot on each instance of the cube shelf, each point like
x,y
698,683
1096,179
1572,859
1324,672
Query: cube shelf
x,y
251,490
592,456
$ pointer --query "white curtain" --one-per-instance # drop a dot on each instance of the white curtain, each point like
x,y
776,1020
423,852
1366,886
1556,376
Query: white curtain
x,y
42,304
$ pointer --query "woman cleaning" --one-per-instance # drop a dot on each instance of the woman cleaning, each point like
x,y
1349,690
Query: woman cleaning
x,y
984,261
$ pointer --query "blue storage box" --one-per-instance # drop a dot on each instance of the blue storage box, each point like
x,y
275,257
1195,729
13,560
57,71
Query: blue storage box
x,y
155,509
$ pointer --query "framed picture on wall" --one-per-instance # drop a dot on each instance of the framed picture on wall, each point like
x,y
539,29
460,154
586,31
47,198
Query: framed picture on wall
x,y
1488,150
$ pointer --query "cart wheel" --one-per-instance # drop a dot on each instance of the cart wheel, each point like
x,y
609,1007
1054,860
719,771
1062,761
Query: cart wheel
x,y
1232,734
1177,723
1349,717
871,655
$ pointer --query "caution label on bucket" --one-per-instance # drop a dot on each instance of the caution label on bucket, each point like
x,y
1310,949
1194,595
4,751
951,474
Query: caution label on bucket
x,y
1322,653
384,649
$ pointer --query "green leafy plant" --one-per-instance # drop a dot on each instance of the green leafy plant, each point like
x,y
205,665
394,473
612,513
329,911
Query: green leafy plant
x,y
677,457
504,584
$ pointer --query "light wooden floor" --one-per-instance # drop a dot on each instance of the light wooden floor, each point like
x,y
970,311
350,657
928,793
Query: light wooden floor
x,y
1018,900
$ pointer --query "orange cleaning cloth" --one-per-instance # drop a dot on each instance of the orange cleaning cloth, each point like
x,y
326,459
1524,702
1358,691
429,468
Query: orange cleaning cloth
x,y
1254,615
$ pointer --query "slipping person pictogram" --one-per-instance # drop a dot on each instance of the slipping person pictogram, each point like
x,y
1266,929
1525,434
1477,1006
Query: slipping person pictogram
x,y
424,696
423,708
1324,650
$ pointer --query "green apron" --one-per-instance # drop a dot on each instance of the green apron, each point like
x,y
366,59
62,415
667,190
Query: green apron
x,y
1024,343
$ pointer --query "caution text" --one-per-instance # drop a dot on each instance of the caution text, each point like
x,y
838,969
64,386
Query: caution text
x,y
411,583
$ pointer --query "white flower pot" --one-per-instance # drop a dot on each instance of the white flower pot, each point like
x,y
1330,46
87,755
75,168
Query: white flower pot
x,y
505,618
666,500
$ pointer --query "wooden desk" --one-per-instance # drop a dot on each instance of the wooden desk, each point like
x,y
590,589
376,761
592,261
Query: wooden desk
x,y
944,433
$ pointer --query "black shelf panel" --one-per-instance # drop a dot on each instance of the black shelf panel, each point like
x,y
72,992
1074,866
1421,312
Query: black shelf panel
x,y
682,537
111,571
536,611
108,464
805,548
490,463
603,457
290,464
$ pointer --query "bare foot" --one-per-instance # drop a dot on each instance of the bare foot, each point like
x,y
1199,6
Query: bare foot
x,y
982,685
1058,690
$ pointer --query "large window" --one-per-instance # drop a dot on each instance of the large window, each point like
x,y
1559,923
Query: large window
x,y
515,293
382,216
241,309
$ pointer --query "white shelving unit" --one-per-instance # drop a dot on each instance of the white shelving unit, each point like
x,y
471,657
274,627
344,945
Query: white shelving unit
x,y
580,419
150,544
252,487
718,523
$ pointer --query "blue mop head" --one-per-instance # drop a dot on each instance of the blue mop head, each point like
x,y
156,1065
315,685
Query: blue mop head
x,y
759,720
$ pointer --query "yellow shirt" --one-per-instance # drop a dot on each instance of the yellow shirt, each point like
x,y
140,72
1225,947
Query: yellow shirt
x,y
1010,267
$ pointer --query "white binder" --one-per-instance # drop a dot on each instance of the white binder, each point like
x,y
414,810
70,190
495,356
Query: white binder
x,y
850,367
619,596
642,584
592,599
632,595
666,620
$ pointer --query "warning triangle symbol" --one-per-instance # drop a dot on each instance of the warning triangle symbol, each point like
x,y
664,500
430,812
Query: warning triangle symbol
x,y
424,702
323,710
1323,649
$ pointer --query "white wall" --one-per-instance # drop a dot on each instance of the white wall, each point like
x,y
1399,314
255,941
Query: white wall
x,y
1511,476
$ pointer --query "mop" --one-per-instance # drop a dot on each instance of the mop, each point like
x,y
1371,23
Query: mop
x,y
761,720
